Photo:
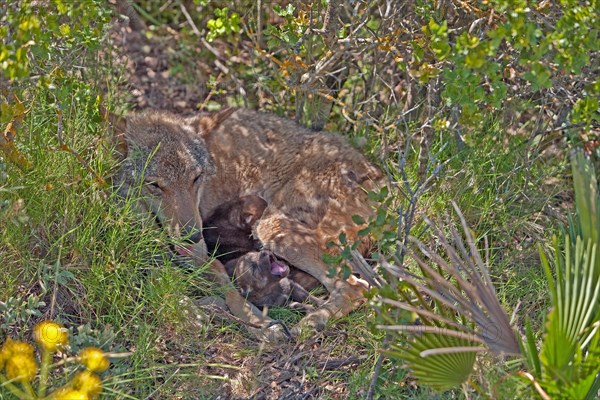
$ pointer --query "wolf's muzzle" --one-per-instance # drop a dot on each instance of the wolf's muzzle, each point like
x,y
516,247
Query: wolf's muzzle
x,y
195,237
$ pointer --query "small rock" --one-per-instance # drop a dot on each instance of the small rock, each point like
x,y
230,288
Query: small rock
x,y
151,62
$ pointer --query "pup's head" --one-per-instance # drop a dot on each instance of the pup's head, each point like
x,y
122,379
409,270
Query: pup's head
x,y
258,269
165,156
241,213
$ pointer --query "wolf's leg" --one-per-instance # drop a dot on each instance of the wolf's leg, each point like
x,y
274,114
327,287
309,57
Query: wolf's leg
x,y
259,325
297,244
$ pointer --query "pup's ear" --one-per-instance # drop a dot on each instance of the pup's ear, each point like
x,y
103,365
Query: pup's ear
x,y
116,127
208,122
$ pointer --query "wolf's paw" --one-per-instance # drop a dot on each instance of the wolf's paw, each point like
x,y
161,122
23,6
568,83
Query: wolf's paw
x,y
315,321
274,332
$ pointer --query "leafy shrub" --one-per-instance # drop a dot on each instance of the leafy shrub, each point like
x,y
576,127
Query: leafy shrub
x,y
464,316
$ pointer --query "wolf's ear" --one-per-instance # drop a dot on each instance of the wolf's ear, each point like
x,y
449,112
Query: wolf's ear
x,y
205,124
116,128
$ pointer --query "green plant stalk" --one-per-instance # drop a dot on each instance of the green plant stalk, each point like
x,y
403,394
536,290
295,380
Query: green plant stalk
x,y
15,390
30,393
477,388
46,359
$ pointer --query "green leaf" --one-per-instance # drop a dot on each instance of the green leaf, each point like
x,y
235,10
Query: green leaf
x,y
440,371
529,349
358,220
381,217
65,30
364,232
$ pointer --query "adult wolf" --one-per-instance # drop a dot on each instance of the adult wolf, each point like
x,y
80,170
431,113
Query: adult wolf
x,y
313,183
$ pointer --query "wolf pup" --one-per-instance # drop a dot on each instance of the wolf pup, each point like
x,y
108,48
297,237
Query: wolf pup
x,y
266,281
261,278
313,183
228,230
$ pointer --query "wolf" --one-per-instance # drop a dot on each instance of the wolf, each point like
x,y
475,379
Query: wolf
x,y
313,184
261,278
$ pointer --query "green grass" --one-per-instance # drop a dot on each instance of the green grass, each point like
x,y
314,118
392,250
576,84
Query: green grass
x,y
69,241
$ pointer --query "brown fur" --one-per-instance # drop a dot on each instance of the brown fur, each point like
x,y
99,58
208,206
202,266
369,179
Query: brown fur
x,y
313,184
228,235
253,275
164,165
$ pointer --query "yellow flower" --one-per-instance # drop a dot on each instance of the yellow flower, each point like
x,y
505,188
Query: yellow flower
x,y
50,335
94,359
11,347
87,382
69,394
21,367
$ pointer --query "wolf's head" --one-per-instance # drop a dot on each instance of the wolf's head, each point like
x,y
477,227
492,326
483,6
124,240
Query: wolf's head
x,y
165,156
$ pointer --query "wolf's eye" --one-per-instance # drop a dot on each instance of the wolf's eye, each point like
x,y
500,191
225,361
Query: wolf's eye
x,y
154,184
198,179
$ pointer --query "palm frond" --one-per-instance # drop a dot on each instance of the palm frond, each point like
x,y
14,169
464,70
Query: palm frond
x,y
462,285
439,361
570,350
587,200
465,318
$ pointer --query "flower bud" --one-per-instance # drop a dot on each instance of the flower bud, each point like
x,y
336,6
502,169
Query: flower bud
x,y
87,382
50,336
11,347
94,359
21,367
69,394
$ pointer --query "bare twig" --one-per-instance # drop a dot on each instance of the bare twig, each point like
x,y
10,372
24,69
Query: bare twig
x,y
332,364
377,369
210,48
406,216
126,8
536,385
259,23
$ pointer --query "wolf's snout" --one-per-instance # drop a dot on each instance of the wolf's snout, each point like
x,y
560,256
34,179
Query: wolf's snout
x,y
195,237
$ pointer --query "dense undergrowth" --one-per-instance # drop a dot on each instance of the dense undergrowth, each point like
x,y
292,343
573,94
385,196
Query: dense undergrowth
x,y
71,251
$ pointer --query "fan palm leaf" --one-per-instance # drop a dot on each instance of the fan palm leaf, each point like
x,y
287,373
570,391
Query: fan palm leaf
x,y
570,353
466,317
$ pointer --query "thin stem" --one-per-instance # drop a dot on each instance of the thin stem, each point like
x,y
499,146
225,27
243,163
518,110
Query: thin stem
x,y
15,390
46,360
30,394
378,364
